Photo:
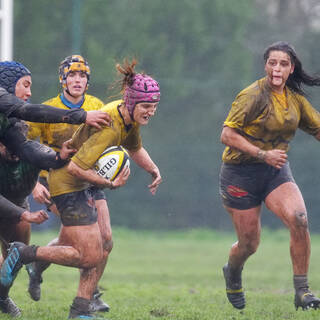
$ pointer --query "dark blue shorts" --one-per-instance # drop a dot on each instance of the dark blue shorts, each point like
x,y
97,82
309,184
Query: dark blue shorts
x,y
77,208
245,186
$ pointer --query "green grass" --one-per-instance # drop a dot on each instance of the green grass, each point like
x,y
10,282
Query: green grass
x,y
177,276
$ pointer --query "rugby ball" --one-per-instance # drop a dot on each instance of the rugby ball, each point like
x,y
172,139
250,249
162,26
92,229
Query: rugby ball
x,y
111,162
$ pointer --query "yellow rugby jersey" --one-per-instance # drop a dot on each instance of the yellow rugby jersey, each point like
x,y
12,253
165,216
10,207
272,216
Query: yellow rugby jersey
x,y
90,143
274,126
54,134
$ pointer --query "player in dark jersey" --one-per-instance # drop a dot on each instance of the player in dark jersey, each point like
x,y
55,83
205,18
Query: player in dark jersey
x,y
18,178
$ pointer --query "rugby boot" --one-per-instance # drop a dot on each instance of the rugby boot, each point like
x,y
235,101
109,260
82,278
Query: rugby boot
x,y
18,254
89,317
305,299
81,309
8,306
35,280
234,290
97,304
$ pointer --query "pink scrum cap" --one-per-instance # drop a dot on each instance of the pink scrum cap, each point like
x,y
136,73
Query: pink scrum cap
x,y
143,89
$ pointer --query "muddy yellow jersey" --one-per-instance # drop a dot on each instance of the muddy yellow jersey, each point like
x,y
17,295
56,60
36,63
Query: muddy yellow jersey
x,y
272,126
54,134
90,144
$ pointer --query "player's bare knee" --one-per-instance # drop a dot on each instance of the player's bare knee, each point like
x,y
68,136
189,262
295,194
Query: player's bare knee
x,y
300,220
77,261
92,260
108,245
249,247
106,235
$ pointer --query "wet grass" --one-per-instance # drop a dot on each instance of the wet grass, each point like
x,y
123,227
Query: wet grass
x,y
176,276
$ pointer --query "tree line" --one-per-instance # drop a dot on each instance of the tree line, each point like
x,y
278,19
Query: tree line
x,y
202,52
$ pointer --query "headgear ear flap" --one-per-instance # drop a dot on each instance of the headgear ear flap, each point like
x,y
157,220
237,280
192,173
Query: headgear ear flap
x,y
10,73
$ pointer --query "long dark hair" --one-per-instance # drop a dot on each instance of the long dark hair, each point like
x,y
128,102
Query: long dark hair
x,y
299,76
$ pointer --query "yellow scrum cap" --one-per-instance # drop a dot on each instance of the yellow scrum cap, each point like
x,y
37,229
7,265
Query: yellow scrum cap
x,y
72,64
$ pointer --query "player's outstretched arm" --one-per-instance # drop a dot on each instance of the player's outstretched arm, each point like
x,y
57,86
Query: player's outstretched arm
x,y
12,106
35,153
48,114
9,210
34,217
142,159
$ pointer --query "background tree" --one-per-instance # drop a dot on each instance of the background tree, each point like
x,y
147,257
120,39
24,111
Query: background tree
x,y
202,52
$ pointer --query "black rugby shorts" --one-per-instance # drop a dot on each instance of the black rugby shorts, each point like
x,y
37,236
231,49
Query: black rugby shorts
x,y
77,208
245,186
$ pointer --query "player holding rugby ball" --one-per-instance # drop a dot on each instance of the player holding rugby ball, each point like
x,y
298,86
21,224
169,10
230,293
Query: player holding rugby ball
x,y
74,77
79,240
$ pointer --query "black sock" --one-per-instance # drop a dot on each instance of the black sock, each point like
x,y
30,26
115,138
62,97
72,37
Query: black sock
x,y
235,271
4,292
28,254
40,266
300,282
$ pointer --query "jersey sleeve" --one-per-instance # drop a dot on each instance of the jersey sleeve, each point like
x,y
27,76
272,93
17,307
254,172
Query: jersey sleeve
x,y
47,114
92,148
310,117
39,155
242,110
9,210
12,106
4,125
9,103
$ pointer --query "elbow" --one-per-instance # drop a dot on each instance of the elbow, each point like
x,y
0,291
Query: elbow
x,y
224,138
132,153
72,169
228,136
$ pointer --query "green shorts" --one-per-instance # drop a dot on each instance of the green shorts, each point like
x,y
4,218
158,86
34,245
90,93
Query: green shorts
x,y
77,208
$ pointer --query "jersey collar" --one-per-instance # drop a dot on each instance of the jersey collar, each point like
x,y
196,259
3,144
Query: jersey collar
x,y
69,104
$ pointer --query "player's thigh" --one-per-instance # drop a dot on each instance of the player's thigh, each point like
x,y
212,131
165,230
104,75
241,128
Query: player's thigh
x,y
247,223
86,239
287,203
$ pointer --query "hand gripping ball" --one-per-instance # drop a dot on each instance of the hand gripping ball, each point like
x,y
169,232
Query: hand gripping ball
x,y
111,162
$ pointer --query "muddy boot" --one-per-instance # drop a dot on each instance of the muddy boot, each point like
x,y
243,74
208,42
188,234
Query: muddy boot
x,y
235,292
304,298
97,304
8,306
